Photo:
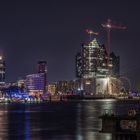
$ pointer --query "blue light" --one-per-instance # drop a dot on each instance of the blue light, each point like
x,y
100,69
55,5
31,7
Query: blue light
x,y
134,94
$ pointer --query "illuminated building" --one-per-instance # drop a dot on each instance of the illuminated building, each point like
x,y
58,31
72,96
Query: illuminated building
x,y
89,86
62,87
102,70
115,65
93,56
94,65
52,89
98,74
2,70
70,86
42,67
79,69
36,84
91,62
21,83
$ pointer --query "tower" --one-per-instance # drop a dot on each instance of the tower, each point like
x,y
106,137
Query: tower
x,y
2,70
79,70
92,59
42,68
92,55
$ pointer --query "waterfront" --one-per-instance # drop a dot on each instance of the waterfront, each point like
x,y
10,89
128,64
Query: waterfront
x,y
76,120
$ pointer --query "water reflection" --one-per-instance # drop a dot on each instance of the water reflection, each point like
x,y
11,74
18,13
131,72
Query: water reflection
x,y
55,121
27,126
88,124
3,123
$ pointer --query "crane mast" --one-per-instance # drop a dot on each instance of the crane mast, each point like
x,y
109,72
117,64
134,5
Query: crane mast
x,y
109,25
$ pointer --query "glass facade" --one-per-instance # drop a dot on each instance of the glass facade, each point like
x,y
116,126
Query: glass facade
x,y
97,70
79,69
36,83
93,57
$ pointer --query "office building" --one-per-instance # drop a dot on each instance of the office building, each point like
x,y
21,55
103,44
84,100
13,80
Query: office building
x,y
36,84
69,86
52,89
42,67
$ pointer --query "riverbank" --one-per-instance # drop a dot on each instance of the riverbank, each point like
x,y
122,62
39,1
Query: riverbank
x,y
65,99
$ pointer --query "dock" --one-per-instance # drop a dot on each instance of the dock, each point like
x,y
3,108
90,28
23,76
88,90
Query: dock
x,y
122,124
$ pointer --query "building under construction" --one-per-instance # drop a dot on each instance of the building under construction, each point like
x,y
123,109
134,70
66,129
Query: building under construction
x,y
98,74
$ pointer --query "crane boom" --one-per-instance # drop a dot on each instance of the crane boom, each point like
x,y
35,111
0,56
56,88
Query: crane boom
x,y
90,32
108,25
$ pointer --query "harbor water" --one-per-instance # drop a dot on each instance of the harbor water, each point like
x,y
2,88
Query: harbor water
x,y
69,120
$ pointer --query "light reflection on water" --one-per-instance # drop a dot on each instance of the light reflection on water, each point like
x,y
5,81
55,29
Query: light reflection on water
x,y
56,121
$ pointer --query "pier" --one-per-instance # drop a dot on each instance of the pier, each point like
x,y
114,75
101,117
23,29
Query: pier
x,y
122,124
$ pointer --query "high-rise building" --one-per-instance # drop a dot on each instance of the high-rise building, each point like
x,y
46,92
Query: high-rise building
x,y
115,64
97,72
79,65
93,56
35,84
103,70
92,61
42,67
2,70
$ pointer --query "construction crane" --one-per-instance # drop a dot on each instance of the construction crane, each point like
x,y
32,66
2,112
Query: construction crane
x,y
108,25
90,32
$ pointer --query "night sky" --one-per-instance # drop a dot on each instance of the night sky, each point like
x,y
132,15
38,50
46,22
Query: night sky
x,y
53,30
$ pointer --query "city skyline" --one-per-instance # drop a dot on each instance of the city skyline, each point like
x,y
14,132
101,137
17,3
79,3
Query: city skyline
x,y
54,32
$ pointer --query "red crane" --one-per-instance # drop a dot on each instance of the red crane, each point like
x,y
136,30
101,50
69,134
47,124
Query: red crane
x,y
108,25
90,32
